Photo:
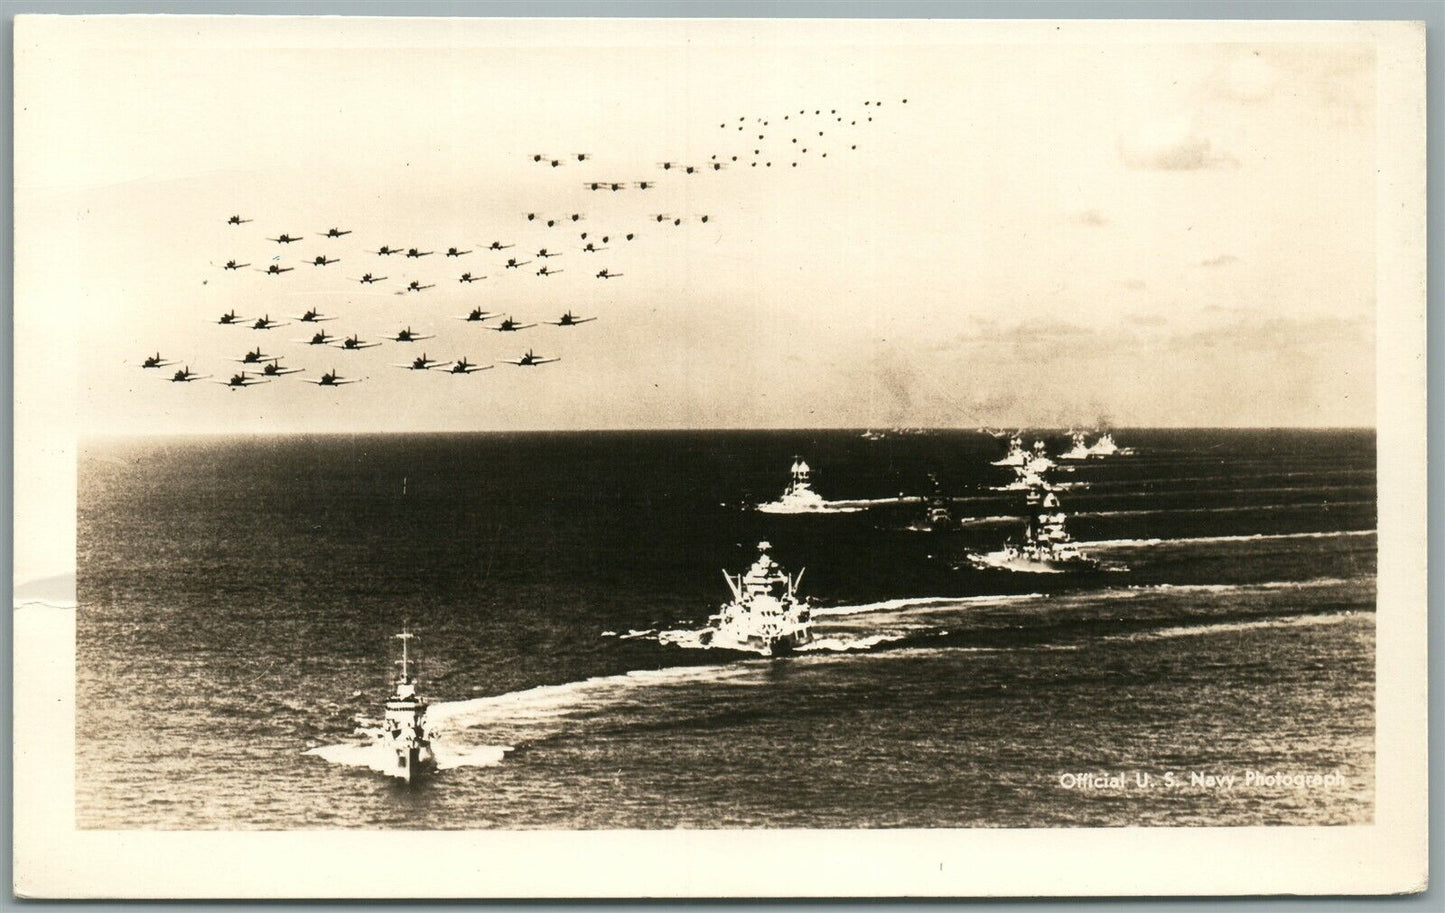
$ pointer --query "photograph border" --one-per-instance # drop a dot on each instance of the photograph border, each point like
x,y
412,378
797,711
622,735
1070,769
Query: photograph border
x,y
1387,857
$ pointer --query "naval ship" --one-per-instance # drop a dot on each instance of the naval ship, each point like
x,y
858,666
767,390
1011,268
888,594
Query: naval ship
x,y
404,726
1079,450
1016,456
799,497
1046,547
765,616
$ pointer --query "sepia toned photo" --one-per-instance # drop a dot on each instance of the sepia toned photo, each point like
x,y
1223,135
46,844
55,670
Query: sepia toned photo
x,y
670,432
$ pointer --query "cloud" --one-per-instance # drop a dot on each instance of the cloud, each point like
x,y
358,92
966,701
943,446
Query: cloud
x,y
1221,260
1092,218
1278,334
1171,145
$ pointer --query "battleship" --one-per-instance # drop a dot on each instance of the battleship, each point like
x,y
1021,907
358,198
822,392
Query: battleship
x,y
1079,450
1046,547
1016,456
765,615
1103,447
799,497
404,728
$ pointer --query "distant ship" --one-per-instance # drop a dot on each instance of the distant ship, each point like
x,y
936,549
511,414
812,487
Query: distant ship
x,y
1016,456
1105,446
404,727
765,614
1038,461
1079,450
936,513
1046,547
799,496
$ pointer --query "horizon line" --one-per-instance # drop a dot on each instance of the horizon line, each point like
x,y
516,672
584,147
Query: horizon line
x,y
899,429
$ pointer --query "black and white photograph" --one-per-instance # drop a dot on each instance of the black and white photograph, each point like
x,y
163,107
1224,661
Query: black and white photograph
x,y
723,427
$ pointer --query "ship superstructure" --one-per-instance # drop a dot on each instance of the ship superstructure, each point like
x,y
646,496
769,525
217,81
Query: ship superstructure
x,y
404,726
1046,546
799,496
765,614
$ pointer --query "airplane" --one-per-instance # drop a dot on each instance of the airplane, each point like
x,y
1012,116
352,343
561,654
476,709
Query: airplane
x,y
274,369
413,253
422,364
368,279
320,339
575,217
354,343
155,361
509,325
330,379
416,286
232,264
606,275
527,361
569,320
386,251
266,323
276,269
253,357
453,252
466,367
660,217
476,316
230,319
703,219
717,166
645,185
468,277
544,271
286,239
336,232
592,249
582,156
407,335
668,166
498,245
544,252
313,316
323,261
184,376
241,380
513,263
237,220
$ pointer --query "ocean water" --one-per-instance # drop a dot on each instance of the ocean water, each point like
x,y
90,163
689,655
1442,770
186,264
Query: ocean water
x,y
237,596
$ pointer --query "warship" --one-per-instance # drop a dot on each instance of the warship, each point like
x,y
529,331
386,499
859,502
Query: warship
x,y
765,614
404,726
1045,548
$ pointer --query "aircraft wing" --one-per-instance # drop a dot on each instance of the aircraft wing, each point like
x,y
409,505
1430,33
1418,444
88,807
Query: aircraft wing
x,y
472,369
582,319
545,361
359,345
283,371
160,364
317,319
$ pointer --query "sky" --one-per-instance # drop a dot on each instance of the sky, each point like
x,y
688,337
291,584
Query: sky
x,y
1060,226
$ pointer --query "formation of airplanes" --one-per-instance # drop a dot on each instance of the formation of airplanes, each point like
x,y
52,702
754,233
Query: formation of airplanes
x,y
780,140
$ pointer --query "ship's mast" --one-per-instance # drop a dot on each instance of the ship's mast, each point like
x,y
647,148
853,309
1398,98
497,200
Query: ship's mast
x,y
405,662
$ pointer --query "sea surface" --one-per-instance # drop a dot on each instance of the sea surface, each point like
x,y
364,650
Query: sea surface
x,y
237,598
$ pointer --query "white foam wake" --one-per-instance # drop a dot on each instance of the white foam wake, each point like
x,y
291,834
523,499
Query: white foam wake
x,y
380,757
926,602
1256,537
1225,627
